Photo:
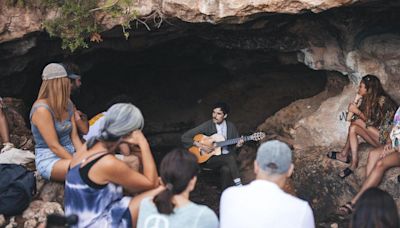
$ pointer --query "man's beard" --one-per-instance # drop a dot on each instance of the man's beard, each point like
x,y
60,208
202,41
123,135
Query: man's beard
x,y
75,94
75,91
217,122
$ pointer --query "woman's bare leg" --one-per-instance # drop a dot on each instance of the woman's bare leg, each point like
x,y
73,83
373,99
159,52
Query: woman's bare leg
x,y
60,170
346,149
4,133
342,156
370,135
373,158
375,177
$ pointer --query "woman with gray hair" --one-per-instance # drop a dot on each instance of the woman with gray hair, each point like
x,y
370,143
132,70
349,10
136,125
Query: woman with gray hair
x,y
93,188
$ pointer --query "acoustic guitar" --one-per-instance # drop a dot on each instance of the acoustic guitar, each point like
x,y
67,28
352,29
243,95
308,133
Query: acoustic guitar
x,y
215,143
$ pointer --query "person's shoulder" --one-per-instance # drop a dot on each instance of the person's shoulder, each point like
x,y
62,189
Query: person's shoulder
x,y
297,202
233,191
147,202
208,216
40,106
203,208
109,163
207,122
230,124
40,102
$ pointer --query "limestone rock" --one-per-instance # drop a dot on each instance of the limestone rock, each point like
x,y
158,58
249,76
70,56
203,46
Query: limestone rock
x,y
327,126
315,120
18,21
375,54
12,223
2,220
15,22
52,192
215,11
38,210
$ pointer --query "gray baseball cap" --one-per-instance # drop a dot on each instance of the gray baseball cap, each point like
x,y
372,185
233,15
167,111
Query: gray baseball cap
x,y
53,70
274,156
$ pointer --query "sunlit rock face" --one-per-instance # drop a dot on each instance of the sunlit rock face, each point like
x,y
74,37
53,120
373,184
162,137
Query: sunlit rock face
x,y
215,11
17,21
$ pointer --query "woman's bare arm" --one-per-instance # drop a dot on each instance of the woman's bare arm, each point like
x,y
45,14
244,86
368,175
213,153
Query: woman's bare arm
x,y
74,135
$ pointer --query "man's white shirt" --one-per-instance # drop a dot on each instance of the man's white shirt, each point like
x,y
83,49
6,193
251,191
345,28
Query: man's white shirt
x,y
223,130
263,204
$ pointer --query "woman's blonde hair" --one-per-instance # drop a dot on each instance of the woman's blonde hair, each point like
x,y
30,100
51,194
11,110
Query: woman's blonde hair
x,y
56,92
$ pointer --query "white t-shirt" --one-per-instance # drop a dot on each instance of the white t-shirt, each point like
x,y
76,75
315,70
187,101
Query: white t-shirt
x,y
222,130
263,204
189,216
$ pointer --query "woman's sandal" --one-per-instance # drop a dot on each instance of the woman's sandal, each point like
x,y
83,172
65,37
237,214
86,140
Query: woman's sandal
x,y
346,209
345,173
333,155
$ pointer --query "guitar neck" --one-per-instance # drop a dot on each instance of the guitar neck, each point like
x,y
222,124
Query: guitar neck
x,y
233,141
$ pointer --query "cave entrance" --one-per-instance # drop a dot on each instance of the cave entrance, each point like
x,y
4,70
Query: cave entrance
x,y
175,83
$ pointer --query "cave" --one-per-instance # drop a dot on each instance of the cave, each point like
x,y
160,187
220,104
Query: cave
x,y
289,74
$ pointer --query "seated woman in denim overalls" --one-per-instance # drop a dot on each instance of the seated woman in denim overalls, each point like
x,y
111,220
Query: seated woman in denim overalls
x,y
53,128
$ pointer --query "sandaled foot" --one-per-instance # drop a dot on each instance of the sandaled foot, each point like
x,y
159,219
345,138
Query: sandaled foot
x,y
345,173
345,209
334,155
22,141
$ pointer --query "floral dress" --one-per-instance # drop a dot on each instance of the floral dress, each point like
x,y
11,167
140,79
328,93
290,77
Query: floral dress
x,y
382,117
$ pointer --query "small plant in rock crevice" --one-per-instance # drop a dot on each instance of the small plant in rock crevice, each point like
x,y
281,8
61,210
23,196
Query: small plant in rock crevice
x,y
78,21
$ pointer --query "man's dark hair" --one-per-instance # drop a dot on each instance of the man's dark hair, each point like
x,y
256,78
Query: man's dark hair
x,y
223,106
71,67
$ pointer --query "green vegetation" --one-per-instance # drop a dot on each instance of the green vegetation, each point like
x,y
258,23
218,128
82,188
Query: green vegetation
x,y
77,20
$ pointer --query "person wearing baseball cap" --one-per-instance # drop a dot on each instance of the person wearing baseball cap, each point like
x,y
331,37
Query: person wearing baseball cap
x,y
263,203
52,124
73,73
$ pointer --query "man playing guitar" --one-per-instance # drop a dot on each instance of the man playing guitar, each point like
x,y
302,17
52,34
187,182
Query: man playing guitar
x,y
226,162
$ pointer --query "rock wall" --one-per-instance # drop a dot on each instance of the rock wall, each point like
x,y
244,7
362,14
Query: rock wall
x,y
16,21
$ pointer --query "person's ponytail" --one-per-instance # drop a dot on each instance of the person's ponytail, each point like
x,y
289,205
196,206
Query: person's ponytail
x,y
177,169
163,200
